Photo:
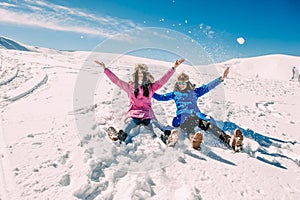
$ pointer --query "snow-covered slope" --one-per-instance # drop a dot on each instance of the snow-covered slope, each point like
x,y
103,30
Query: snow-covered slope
x,y
45,155
273,67
6,43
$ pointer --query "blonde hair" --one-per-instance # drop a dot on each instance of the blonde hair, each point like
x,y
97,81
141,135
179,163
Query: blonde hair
x,y
183,77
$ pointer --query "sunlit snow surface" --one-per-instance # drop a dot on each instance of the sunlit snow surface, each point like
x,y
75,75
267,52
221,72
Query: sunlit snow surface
x,y
44,155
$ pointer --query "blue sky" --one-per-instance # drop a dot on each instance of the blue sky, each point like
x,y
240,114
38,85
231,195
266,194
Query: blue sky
x,y
268,26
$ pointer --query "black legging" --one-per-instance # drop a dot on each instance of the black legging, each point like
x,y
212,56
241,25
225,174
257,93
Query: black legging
x,y
193,121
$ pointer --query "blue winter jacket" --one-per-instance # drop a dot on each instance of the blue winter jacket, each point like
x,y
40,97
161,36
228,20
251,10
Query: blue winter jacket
x,y
186,102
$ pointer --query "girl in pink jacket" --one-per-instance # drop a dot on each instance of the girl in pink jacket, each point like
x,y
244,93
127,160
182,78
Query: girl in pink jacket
x,y
140,92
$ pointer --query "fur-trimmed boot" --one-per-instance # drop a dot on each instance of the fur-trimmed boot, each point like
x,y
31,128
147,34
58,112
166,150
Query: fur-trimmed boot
x,y
112,133
237,140
173,138
196,140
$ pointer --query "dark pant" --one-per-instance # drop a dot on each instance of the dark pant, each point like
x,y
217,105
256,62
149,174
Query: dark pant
x,y
193,121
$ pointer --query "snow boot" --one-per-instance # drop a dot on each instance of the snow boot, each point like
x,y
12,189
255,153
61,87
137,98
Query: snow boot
x,y
196,140
112,133
237,140
165,136
122,135
204,125
225,138
173,138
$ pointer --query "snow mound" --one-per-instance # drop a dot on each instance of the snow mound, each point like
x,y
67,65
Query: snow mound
x,y
6,43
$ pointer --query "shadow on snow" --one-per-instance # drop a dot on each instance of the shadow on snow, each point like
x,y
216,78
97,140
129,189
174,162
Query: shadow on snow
x,y
265,142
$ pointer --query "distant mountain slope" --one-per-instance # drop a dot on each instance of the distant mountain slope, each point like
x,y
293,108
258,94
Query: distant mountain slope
x,y
274,67
6,43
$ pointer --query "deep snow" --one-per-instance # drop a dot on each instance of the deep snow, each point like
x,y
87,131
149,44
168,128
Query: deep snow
x,y
46,155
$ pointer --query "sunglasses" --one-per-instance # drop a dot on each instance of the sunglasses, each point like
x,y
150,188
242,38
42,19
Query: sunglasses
x,y
181,83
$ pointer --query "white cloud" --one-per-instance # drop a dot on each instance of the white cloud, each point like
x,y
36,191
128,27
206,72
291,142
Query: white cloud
x,y
41,21
4,4
35,8
43,14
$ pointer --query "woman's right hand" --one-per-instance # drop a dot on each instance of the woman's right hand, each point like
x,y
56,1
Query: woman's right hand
x,y
225,73
178,62
100,63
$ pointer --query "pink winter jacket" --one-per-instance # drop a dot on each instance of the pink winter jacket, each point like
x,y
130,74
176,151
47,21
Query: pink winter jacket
x,y
139,107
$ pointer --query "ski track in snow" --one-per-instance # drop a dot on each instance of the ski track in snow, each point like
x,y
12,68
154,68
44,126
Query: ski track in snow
x,y
44,157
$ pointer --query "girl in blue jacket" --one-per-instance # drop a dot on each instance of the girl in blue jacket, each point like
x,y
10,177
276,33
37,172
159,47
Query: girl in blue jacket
x,y
189,116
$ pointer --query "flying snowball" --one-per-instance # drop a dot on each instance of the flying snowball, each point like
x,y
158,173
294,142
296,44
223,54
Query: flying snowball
x,y
240,40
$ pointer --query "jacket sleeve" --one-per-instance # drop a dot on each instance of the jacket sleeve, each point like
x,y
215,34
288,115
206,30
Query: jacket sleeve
x,y
163,80
122,84
208,87
163,97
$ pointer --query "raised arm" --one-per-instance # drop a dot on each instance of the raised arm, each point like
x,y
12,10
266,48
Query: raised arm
x,y
225,73
122,84
163,97
165,78
211,85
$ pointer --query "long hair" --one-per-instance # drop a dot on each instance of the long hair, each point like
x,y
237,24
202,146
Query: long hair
x,y
146,83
